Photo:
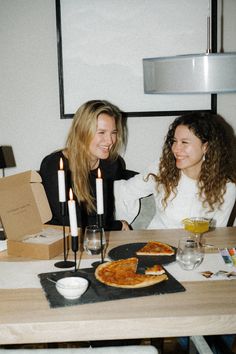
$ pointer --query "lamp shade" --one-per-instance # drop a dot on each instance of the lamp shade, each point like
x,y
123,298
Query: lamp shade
x,y
7,158
193,73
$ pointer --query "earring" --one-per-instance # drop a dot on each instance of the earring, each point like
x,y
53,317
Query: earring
x,y
203,158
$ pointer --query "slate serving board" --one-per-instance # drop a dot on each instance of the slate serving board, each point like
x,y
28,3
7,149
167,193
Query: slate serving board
x,y
129,250
98,292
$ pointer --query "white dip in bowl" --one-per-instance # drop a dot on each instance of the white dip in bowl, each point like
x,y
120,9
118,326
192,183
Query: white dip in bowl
x,y
72,287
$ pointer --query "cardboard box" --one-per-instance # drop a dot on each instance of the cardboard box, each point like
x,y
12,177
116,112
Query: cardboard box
x,y
46,244
24,209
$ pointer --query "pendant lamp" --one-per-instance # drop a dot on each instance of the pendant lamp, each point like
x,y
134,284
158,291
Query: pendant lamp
x,y
194,73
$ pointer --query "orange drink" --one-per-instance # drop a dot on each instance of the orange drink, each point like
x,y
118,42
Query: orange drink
x,y
196,225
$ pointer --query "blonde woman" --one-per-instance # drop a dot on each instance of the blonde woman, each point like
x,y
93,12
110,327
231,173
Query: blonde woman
x,y
95,139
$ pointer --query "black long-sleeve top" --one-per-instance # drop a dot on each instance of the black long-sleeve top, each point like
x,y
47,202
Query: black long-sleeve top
x,y
111,170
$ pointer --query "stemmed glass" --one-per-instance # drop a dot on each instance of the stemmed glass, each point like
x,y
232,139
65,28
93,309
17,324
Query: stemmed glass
x,y
197,226
94,240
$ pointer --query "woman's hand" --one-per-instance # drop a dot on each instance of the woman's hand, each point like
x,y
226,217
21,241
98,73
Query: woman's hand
x,y
125,226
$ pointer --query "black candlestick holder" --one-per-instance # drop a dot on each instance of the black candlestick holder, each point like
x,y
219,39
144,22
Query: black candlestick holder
x,y
75,247
100,225
65,263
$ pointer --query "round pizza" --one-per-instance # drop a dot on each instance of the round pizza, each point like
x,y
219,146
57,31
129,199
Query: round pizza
x,y
155,248
122,274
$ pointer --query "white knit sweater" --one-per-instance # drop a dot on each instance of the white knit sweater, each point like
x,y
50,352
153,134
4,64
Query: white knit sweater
x,y
186,203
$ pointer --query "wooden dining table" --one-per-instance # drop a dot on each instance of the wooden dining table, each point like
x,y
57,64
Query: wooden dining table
x,y
205,308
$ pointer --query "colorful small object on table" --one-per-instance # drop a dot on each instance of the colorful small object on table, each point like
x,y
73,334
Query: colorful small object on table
x,y
229,256
232,252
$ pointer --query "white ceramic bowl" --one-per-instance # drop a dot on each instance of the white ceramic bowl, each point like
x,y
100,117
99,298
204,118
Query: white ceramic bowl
x,y
72,287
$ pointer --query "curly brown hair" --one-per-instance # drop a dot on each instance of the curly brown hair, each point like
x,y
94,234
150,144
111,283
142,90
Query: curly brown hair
x,y
217,168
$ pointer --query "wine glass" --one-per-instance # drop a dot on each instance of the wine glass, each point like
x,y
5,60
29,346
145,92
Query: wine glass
x,y
189,253
94,239
197,226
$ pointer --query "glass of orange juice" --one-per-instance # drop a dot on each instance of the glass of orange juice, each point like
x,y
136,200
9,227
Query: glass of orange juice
x,y
197,226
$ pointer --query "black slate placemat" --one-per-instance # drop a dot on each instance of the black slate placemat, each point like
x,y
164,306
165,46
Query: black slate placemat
x,y
98,292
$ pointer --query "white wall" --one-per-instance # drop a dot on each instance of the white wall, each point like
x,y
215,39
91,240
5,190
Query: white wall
x,y
29,100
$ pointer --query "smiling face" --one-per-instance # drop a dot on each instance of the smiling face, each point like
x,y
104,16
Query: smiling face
x,y
188,151
103,140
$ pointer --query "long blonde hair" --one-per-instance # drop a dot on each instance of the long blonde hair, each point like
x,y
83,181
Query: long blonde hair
x,y
81,133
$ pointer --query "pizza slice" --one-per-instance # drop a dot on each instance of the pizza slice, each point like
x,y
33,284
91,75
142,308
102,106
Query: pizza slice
x,y
156,269
155,248
122,274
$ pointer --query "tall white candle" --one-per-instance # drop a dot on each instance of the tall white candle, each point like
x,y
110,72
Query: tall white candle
x,y
61,182
72,215
99,193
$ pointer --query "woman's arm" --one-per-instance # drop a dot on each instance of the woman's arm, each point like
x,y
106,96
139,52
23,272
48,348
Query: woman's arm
x,y
112,170
128,193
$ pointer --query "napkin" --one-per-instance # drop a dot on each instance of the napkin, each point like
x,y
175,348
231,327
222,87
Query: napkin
x,y
22,275
212,263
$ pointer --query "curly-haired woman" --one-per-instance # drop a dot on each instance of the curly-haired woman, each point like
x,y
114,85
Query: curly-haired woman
x,y
196,175
96,136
